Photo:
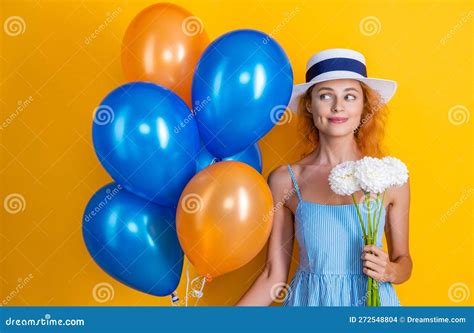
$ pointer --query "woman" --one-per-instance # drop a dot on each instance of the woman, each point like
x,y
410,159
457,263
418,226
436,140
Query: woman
x,y
343,113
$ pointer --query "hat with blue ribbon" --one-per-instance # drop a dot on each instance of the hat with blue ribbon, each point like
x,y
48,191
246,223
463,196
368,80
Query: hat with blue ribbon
x,y
333,64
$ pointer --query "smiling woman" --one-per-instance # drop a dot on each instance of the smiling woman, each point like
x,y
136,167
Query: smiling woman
x,y
343,115
360,100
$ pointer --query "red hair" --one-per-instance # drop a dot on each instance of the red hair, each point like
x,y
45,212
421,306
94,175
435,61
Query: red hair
x,y
368,135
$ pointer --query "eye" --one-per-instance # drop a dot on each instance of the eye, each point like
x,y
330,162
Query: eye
x,y
324,97
350,97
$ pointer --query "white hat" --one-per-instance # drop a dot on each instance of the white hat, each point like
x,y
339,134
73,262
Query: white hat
x,y
335,64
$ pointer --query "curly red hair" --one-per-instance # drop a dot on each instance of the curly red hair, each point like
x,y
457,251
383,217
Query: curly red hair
x,y
368,135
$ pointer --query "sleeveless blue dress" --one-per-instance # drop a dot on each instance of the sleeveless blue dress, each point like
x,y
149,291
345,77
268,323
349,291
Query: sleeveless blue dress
x,y
330,246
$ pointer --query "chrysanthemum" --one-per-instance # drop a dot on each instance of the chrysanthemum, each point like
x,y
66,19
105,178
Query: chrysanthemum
x,y
342,180
398,171
372,174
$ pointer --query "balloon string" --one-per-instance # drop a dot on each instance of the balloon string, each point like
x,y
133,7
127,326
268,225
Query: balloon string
x,y
200,294
187,281
194,292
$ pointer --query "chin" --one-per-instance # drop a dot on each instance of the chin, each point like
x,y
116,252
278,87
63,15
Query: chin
x,y
338,132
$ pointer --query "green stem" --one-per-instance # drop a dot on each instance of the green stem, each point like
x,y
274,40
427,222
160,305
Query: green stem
x,y
369,292
376,207
377,295
361,220
374,293
367,202
380,214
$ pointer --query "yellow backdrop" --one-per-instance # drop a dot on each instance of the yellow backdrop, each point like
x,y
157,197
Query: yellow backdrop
x,y
59,59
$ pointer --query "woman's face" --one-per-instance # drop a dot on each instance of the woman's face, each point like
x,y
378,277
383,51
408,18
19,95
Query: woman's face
x,y
336,106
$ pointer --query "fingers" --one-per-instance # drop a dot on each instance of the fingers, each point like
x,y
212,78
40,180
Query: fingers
x,y
372,274
375,262
373,266
373,258
377,251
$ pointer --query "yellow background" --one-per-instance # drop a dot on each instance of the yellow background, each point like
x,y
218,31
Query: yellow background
x,y
47,155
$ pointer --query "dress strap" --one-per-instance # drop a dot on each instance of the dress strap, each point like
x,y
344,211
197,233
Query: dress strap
x,y
295,184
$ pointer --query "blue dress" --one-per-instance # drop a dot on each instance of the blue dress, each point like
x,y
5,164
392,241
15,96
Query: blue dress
x,y
330,247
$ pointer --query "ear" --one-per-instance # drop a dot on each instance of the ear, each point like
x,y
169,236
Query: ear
x,y
308,106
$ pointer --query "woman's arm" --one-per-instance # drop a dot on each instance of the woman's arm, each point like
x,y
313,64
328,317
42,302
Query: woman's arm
x,y
396,266
280,246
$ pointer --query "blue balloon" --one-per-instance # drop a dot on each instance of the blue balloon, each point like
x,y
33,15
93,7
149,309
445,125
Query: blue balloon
x,y
147,139
251,156
133,240
241,87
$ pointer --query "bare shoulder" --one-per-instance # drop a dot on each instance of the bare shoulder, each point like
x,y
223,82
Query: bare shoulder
x,y
399,195
279,179
281,185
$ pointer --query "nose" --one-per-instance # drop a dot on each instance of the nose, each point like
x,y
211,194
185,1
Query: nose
x,y
337,107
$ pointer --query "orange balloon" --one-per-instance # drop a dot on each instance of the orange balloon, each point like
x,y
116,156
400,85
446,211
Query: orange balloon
x,y
224,217
163,44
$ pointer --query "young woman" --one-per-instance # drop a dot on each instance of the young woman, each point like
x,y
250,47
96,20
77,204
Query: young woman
x,y
343,113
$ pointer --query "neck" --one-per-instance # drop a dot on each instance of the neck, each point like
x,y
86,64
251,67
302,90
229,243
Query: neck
x,y
333,150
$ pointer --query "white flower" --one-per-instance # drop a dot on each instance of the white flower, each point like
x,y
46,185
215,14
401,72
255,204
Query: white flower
x,y
397,171
342,180
372,174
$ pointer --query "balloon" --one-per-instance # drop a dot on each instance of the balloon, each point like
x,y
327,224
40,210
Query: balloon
x,y
245,79
133,240
147,140
224,217
163,44
251,156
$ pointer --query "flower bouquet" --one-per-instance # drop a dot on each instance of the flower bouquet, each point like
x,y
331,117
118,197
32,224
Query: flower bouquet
x,y
373,176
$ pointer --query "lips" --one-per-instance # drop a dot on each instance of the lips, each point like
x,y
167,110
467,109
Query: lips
x,y
338,120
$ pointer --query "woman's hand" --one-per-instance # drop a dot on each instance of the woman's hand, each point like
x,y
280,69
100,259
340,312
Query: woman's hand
x,y
377,264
